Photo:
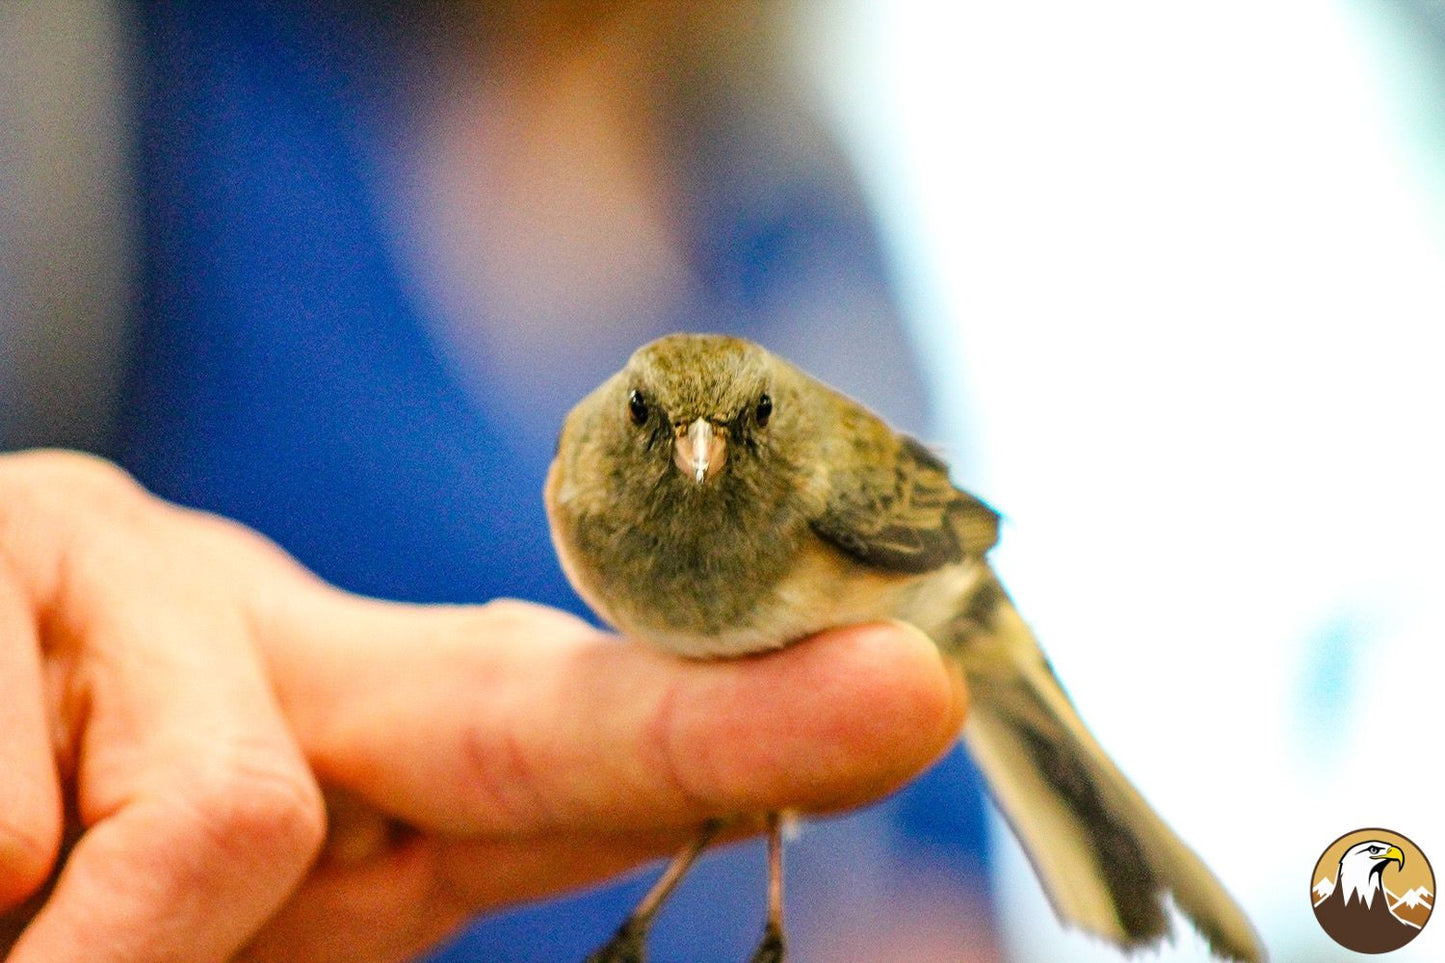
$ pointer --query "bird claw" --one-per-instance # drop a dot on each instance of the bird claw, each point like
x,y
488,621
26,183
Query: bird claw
x,y
773,948
629,945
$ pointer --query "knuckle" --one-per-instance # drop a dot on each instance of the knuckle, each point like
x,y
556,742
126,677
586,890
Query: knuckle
x,y
506,617
686,768
469,635
46,492
504,778
515,619
48,470
257,802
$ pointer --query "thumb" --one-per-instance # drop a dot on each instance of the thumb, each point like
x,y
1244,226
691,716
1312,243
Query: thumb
x,y
514,719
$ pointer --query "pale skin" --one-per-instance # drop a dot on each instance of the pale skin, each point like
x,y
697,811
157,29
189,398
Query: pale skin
x,y
263,767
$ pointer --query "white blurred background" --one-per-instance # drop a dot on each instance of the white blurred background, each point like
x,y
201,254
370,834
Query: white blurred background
x,y
1181,269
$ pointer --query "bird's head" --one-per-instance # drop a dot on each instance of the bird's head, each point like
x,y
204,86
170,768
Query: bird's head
x,y
1363,863
1377,855
706,403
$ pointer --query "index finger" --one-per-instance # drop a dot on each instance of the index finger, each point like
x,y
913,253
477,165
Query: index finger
x,y
513,719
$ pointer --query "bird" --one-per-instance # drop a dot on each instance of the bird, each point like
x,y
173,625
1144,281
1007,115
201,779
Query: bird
x,y
1356,914
716,501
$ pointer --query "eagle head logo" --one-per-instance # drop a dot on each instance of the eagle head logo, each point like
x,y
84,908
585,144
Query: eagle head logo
x,y
1359,905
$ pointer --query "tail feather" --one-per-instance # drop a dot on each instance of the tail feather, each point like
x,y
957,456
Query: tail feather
x,y
1091,863
1108,863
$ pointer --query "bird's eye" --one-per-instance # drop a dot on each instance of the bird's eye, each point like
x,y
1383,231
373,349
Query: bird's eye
x,y
637,407
764,410
1374,849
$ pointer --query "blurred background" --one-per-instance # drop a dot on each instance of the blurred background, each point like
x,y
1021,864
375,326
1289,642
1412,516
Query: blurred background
x,y
1165,283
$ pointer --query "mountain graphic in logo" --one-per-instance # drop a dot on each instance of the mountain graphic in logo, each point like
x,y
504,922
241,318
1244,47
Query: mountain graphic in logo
x,y
1373,890
1414,907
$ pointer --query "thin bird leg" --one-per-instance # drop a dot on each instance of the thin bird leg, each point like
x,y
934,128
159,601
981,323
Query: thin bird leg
x,y
629,944
773,948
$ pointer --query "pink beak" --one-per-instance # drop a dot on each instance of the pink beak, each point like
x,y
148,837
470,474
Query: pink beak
x,y
700,450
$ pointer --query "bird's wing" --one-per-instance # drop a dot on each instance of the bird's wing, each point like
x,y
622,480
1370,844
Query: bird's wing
x,y
891,505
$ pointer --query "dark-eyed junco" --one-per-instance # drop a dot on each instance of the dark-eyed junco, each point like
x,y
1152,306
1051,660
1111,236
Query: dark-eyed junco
x,y
715,501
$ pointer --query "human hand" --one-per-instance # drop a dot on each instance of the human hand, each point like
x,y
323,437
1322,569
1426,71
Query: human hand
x,y
185,692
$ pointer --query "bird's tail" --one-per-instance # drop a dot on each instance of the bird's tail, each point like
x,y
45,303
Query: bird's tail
x,y
1105,859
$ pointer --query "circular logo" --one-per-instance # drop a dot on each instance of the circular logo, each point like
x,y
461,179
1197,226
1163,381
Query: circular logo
x,y
1372,890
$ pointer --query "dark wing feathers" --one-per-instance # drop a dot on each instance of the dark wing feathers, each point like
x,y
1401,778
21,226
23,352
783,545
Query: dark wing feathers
x,y
899,511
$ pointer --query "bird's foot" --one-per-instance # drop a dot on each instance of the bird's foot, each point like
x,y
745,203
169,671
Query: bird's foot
x,y
773,948
628,945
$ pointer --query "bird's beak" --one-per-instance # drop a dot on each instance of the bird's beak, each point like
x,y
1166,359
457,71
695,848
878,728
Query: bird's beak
x,y
700,450
1394,853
